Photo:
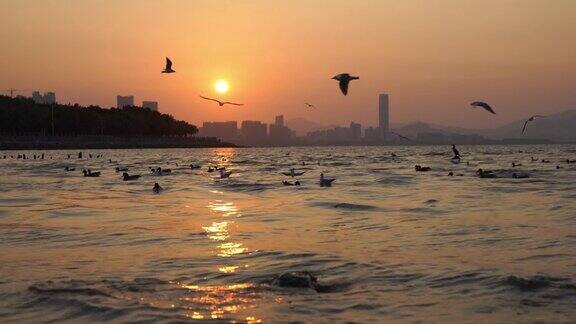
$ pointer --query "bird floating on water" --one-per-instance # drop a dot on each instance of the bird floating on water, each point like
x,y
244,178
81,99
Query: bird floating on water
x,y
168,68
343,80
157,188
309,105
89,173
485,174
325,182
128,177
456,153
222,103
420,168
484,105
224,174
529,120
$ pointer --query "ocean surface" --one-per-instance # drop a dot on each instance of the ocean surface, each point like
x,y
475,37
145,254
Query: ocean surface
x,y
386,243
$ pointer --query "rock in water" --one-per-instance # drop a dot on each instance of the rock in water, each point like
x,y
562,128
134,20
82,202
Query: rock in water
x,y
296,279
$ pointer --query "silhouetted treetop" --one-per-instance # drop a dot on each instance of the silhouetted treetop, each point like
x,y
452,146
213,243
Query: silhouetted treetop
x,y
24,116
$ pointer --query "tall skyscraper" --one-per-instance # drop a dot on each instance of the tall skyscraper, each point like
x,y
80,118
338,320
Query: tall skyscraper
x,y
383,115
124,101
152,105
279,120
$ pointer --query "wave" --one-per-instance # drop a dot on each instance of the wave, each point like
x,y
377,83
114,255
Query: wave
x,y
539,282
345,206
243,187
397,180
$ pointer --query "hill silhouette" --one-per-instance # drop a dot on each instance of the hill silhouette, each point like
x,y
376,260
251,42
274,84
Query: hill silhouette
x,y
22,116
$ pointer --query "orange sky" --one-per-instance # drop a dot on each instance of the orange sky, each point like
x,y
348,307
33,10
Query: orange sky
x,y
433,56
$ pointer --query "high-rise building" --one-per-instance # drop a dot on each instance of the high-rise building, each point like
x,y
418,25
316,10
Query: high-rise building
x,y
355,131
279,120
152,105
37,97
227,131
254,132
49,98
383,115
124,101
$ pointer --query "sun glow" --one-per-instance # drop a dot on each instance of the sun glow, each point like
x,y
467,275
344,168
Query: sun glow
x,y
221,86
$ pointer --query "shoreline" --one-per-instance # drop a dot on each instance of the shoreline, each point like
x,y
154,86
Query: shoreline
x,y
15,143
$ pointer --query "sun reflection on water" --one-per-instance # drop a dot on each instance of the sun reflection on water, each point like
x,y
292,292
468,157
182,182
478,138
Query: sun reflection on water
x,y
229,249
225,208
220,300
224,299
217,231
220,231
228,269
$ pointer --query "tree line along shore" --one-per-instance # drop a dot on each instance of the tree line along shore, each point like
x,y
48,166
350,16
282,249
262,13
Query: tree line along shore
x,y
25,124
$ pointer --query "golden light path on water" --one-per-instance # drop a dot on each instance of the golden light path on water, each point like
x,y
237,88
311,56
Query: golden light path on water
x,y
226,298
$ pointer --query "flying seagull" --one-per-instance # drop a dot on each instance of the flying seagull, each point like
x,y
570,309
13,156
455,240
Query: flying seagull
x,y
309,105
344,79
222,103
484,105
529,120
404,137
168,68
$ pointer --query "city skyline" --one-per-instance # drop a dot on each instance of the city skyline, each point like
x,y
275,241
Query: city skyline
x,y
433,70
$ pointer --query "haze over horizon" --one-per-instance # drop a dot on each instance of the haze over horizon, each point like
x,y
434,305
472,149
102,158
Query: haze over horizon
x,y
432,57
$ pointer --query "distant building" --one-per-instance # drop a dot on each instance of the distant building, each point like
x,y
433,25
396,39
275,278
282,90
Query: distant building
x,y
254,132
278,133
279,121
47,98
37,97
152,105
383,115
372,134
355,131
124,101
227,131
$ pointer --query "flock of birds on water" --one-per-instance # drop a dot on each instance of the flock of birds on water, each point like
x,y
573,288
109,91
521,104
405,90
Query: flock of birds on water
x,y
223,173
344,82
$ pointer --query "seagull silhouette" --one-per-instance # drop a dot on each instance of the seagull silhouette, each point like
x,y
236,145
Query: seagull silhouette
x,y
404,137
344,79
309,105
168,68
222,103
529,120
484,105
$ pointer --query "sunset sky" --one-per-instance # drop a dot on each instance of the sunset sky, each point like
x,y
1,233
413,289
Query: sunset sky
x,y
432,56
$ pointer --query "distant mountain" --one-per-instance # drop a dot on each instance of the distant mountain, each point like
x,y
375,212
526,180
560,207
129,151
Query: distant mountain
x,y
560,127
556,127
413,129
302,126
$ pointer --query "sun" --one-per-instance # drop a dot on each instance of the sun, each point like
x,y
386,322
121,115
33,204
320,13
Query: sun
x,y
221,86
